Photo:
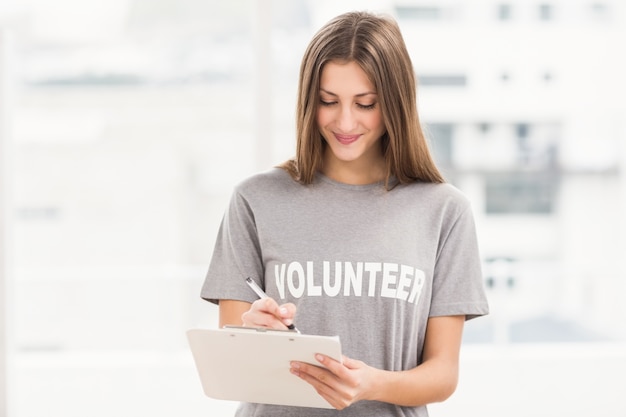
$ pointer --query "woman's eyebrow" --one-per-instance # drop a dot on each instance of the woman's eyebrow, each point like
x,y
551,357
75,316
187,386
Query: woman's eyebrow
x,y
356,95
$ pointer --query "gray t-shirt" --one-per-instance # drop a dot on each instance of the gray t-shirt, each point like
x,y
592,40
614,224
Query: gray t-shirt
x,y
358,261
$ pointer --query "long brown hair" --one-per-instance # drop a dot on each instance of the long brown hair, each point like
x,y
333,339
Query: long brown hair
x,y
376,45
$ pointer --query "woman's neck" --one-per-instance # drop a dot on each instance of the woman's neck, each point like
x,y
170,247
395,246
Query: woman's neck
x,y
354,172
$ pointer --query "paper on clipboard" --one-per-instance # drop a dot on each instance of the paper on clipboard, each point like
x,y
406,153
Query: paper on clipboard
x,y
252,365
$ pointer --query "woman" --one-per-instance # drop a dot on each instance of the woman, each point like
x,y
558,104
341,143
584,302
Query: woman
x,y
357,236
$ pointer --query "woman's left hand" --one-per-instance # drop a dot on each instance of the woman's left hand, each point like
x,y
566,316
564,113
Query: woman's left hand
x,y
341,384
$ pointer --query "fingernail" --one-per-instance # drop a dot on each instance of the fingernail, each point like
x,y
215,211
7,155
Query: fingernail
x,y
319,357
283,311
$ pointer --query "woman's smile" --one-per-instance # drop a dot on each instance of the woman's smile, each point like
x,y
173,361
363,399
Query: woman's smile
x,y
346,139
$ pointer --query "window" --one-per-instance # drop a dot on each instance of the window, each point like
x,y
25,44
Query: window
x,y
546,12
548,77
441,142
505,12
442,80
522,130
599,11
419,13
521,192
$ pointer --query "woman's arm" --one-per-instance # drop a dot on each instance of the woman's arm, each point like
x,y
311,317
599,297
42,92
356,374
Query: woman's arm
x,y
434,380
231,312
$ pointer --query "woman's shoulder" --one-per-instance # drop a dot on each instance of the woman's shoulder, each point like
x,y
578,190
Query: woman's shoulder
x,y
274,179
439,194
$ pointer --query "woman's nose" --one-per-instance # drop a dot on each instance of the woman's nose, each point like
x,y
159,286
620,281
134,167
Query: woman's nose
x,y
346,122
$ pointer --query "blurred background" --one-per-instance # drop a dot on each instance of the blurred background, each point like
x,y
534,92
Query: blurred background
x,y
124,125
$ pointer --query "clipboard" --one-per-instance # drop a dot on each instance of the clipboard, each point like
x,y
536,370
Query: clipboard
x,y
252,364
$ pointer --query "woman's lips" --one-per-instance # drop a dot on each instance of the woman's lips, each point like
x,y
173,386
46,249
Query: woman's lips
x,y
346,139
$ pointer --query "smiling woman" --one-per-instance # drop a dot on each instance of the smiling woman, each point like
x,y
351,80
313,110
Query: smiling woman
x,y
364,207
352,125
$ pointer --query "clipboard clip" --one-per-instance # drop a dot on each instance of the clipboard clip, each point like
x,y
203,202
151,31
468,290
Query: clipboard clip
x,y
260,329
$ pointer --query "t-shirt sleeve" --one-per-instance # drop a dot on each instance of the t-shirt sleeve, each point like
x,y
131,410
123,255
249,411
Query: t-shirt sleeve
x,y
458,287
236,255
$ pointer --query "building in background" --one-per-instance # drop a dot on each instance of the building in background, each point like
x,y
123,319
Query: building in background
x,y
521,99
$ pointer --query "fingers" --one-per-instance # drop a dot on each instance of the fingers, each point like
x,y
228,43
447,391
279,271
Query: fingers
x,y
317,375
325,382
336,381
287,313
350,363
341,369
266,312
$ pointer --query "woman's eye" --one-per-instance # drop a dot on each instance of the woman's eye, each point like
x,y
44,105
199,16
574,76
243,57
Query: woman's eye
x,y
360,106
366,106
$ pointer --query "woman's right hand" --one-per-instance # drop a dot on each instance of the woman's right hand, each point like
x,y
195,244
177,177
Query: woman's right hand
x,y
266,312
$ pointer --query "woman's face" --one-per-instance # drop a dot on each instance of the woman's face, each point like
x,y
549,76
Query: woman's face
x,y
349,118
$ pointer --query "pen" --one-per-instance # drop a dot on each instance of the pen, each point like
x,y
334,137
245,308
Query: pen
x,y
255,287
